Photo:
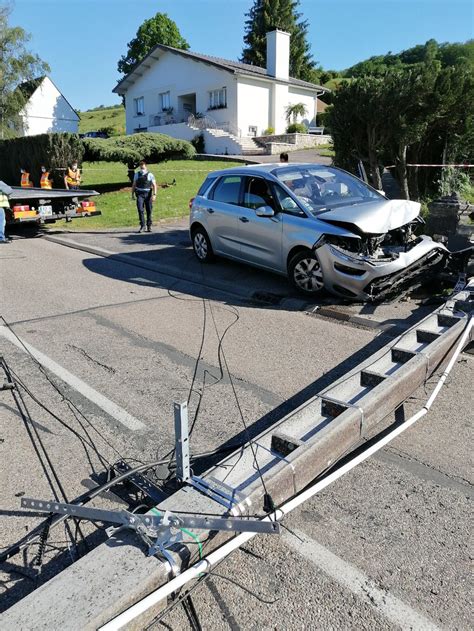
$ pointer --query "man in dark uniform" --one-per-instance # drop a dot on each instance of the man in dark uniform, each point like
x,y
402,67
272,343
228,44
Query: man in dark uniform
x,y
144,189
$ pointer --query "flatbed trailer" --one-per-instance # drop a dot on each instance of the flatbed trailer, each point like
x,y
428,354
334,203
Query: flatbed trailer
x,y
47,205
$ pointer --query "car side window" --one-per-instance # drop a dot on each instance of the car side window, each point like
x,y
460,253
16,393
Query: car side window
x,y
227,190
257,193
287,204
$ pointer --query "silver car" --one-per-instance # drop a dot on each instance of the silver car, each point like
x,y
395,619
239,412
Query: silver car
x,y
316,224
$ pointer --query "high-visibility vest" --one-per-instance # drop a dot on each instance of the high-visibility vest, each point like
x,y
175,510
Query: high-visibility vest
x,y
45,182
25,180
73,178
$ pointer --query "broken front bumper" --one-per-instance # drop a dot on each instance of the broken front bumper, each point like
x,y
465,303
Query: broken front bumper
x,y
365,278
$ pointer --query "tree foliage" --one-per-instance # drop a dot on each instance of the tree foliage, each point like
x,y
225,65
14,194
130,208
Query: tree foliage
x,y
159,29
54,151
17,64
447,54
267,15
131,149
420,113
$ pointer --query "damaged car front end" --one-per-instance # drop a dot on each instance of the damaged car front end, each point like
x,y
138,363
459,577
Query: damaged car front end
x,y
385,255
381,252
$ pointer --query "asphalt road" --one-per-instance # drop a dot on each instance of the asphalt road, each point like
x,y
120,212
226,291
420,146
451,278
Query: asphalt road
x,y
385,547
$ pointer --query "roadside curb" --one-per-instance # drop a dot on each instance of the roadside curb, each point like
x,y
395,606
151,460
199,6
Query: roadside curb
x,y
286,303
129,259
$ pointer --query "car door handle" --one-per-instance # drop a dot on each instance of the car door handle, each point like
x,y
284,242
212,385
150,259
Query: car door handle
x,y
243,219
210,210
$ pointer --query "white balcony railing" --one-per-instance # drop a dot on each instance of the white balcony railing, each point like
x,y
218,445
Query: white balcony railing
x,y
164,118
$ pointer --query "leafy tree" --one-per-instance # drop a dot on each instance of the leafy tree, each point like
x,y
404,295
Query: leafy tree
x,y
267,15
421,113
159,29
360,125
447,54
17,65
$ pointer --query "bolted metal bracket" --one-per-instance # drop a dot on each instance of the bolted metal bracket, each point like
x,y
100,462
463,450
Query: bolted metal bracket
x,y
164,528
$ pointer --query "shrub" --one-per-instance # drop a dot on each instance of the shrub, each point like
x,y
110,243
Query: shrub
x,y
323,119
54,151
296,128
131,149
269,131
199,143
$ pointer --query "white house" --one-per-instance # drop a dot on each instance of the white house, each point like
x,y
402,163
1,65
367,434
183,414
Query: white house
x,y
46,109
179,93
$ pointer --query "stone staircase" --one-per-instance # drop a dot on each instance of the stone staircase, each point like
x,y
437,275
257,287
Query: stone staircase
x,y
248,146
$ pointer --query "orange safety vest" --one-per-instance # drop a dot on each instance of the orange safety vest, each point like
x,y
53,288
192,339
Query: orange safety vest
x,y
45,182
73,177
25,180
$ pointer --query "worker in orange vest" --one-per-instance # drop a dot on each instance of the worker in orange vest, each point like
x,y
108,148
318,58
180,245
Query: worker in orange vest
x,y
72,179
45,181
25,179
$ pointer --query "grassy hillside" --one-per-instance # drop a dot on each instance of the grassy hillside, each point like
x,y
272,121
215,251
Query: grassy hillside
x,y
98,118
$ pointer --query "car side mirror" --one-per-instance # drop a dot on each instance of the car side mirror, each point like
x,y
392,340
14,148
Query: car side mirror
x,y
264,211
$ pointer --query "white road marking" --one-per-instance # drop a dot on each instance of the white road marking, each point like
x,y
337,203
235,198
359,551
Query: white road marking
x,y
114,410
393,609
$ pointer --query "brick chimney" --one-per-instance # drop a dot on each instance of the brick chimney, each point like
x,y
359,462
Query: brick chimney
x,y
278,54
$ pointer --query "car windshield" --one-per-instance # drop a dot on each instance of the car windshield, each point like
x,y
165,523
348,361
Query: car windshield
x,y
320,188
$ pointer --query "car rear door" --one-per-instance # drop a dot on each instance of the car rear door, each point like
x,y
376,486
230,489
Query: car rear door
x,y
222,212
260,237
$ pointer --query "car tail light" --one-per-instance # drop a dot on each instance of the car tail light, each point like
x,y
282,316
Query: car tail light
x,y
191,203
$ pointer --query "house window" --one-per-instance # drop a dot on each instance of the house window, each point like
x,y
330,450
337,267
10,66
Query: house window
x,y
218,99
139,106
165,101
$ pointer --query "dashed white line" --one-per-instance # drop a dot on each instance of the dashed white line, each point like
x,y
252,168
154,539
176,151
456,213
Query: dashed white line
x,y
114,410
392,608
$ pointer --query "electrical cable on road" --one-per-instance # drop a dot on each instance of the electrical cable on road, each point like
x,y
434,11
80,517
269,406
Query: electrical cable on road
x,y
64,397
34,535
45,461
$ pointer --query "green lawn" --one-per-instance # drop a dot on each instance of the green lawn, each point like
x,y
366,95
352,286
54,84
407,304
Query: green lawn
x,y
119,210
326,150
106,117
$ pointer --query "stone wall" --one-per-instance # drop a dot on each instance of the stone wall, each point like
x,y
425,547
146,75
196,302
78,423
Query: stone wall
x,y
291,142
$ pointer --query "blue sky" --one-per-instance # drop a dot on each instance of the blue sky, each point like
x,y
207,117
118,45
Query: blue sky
x,y
82,40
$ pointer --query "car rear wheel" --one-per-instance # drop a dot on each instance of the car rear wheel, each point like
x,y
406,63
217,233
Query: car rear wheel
x,y
202,245
305,273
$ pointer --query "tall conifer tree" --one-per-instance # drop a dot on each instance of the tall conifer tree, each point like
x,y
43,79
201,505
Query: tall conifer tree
x,y
266,15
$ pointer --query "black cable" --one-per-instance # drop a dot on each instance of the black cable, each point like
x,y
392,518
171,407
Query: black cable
x,y
44,407
247,433
58,389
27,421
191,613
199,580
33,536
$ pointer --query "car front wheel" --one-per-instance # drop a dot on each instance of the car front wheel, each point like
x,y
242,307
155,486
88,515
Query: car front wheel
x,y
305,273
202,246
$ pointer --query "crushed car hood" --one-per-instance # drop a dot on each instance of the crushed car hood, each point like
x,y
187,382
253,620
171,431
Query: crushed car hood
x,y
376,217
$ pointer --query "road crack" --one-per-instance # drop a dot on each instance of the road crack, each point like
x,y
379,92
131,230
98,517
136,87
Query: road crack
x,y
91,359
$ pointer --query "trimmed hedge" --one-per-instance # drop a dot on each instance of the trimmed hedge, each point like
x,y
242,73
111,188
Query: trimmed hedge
x,y
57,151
54,151
131,149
